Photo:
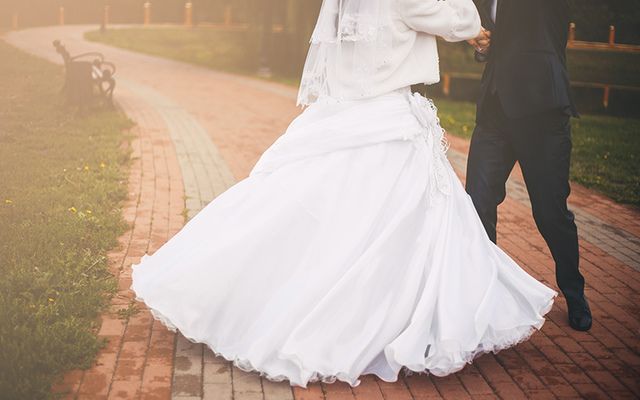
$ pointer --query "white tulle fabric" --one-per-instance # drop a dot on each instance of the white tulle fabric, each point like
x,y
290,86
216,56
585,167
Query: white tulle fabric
x,y
351,249
351,41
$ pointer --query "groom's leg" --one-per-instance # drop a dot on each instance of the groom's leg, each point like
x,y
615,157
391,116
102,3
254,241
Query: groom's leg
x,y
543,147
491,159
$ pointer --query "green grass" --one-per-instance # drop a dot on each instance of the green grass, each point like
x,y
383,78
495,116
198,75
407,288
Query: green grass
x,y
210,48
606,149
225,51
606,156
62,181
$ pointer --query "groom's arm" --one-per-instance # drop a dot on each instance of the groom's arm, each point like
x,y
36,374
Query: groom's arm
x,y
485,18
487,23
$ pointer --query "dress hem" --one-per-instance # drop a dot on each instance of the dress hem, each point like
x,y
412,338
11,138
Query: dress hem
x,y
466,357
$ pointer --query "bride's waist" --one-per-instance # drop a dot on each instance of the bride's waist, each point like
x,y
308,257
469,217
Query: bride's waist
x,y
347,98
393,108
406,90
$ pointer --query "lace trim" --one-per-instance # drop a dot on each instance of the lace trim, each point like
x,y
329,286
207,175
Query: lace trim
x,y
246,365
491,347
433,135
355,45
353,28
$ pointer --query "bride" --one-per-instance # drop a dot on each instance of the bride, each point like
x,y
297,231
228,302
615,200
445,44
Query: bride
x,y
352,247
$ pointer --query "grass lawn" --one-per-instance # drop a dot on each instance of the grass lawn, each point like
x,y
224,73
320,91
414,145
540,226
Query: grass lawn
x,y
226,51
62,180
606,149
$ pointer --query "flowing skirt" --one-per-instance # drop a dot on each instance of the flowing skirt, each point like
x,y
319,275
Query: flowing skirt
x,y
351,249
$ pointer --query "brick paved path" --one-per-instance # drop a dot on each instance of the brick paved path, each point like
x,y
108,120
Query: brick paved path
x,y
198,131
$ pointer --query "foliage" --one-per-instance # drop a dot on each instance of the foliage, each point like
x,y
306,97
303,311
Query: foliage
x,y
593,17
61,184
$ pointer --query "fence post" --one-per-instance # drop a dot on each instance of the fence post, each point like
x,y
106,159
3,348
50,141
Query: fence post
x,y
446,84
147,13
612,36
572,33
61,16
266,25
605,96
188,14
14,21
105,19
227,15
290,17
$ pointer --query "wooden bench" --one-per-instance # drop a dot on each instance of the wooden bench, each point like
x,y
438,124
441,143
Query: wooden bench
x,y
89,79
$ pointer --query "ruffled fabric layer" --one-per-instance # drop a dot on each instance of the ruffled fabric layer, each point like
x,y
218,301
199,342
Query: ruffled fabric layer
x,y
351,249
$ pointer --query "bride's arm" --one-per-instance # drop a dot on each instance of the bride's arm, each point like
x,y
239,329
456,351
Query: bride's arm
x,y
453,20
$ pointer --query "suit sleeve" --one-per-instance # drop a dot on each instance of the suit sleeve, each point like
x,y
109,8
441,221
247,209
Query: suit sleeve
x,y
453,20
485,17
557,17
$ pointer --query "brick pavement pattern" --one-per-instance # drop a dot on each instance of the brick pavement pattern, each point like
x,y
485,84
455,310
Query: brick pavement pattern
x,y
198,131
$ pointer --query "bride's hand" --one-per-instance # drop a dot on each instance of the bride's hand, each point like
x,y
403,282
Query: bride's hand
x,y
482,42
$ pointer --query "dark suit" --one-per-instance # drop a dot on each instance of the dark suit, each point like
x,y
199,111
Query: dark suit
x,y
523,114
526,64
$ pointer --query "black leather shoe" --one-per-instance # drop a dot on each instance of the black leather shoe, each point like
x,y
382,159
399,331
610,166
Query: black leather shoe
x,y
579,314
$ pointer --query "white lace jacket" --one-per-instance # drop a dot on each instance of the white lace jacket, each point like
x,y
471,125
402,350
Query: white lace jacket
x,y
414,56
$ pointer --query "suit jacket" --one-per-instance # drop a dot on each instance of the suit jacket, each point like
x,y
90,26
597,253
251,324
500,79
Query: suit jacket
x,y
526,64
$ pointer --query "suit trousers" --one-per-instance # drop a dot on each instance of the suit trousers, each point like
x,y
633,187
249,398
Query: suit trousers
x,y
541,144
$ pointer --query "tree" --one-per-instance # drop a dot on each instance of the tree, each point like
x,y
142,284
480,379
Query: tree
x,y
593,18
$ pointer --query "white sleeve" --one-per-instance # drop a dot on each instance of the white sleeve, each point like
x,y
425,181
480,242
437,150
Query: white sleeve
x,y
453,20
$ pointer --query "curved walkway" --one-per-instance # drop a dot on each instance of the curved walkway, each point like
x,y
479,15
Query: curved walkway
x,y
198,131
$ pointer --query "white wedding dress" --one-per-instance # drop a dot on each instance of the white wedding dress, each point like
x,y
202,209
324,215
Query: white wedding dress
x,y
351,249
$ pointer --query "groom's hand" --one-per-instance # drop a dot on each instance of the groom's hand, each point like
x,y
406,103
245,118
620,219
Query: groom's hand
x,y
482,42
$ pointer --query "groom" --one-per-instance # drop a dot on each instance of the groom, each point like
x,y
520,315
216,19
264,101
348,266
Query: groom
x,y
523,114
